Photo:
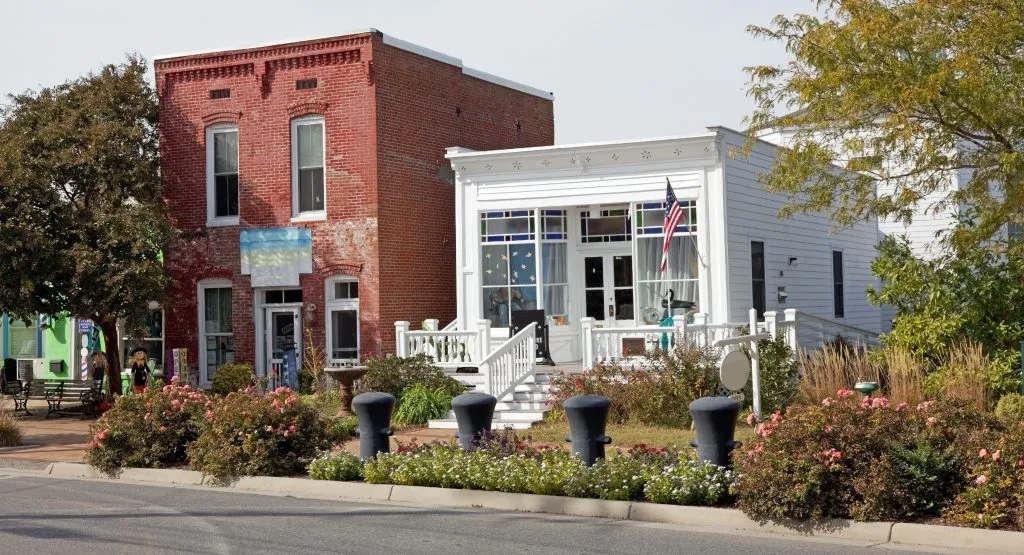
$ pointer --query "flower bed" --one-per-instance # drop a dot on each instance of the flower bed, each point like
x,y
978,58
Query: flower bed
x,y
505,463
869,459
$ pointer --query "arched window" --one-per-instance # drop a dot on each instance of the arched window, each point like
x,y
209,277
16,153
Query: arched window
x,y
342,328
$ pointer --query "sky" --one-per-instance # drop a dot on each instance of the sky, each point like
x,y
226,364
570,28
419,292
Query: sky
x,y
619,70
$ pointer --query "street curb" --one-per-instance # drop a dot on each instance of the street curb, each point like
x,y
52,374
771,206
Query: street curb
x,y
953,537
705,518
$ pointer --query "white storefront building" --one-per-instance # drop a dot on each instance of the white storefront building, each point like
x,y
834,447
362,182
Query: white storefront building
x,y
576,230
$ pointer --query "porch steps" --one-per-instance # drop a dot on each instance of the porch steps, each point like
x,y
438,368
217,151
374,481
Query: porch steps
x,y
526,407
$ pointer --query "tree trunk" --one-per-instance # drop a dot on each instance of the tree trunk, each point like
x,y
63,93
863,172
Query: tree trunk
x,y
112,343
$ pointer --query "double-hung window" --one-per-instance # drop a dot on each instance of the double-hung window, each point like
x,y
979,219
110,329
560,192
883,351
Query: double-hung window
x,y
342,319
216,342
308,169
222,175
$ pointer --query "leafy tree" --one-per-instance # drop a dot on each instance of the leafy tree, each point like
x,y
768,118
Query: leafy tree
x,y
904,93
82,220
977,295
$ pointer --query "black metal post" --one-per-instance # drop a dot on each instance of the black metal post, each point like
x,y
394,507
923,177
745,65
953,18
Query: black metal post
x,y
588,416
715,421
474,412
374,413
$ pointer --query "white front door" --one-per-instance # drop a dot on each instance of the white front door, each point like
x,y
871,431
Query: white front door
x,y
283,332
608,286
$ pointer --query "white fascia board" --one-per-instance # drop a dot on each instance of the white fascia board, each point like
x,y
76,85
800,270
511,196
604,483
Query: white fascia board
x,y
507,83
455,153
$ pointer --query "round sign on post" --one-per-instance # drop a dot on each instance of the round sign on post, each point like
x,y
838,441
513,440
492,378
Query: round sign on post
x,y
735,370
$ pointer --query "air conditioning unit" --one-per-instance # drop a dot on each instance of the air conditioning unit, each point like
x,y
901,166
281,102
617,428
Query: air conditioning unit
x,y
28,368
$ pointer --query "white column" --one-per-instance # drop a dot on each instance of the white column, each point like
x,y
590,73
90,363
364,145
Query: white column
x,y
483,339
770,322
587,337
755,367
401,328
431,324
791,331
679,324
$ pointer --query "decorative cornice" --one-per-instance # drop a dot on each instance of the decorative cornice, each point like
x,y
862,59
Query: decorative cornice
x,y
315,60
195,74
291,50
221,117
310,107
339,268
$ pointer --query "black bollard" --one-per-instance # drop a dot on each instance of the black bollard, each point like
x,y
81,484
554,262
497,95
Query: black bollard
x,y
715,421
374,413
474,413
588,415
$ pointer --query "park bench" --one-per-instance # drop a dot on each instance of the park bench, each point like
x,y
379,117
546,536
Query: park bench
x,y
56,393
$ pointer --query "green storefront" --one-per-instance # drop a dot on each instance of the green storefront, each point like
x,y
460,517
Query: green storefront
x,y
58,347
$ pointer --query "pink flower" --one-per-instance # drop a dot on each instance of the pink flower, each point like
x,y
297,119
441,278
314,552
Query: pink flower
x,y
931,421
291,428
102,435
146,417
828,428
175,403
750,419
826,402
901,406
269,428
93,445
844,393
879,402
163,428
981,480
997,455
983,453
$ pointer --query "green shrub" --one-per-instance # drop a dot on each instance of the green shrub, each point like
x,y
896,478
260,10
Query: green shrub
x,y
10,433
994,494
233,376
778,372
252,434
340,430
689,482
617,478
340,467
151,430
394,374
1011,408
866,459
418,404
657,395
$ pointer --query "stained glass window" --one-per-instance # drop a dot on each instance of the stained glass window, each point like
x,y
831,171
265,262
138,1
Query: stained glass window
x,y
650,218
605,226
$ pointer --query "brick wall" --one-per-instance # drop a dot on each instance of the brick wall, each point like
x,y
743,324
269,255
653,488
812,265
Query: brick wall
x,y
423,107
389,114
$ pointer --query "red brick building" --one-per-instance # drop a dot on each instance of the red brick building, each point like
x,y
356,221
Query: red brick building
x,y
312,174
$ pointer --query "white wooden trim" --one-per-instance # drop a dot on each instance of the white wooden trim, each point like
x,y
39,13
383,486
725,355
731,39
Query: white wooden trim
x,y
201,287
314,215
344,304
211,195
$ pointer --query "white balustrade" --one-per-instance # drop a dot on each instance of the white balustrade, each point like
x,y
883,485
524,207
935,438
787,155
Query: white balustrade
x,y
447,348
511,363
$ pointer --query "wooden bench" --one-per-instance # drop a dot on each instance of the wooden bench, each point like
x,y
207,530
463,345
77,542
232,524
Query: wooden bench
x,y
55,393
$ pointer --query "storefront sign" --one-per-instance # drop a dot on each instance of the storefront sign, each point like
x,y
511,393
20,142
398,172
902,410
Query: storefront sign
x,y
84,326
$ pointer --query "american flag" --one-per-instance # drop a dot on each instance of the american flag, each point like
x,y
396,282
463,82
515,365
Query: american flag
x,y
673,215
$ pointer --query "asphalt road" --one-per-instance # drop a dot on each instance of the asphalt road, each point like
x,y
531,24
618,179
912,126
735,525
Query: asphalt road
x,y
46,515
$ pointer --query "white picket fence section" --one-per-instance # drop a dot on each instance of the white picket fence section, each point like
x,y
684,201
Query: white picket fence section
x,y
510,364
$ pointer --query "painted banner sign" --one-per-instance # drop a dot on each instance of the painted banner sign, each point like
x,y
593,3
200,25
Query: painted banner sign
x,y
275,257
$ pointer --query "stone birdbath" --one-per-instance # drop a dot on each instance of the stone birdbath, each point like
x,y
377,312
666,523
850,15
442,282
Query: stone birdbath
x,y
346,376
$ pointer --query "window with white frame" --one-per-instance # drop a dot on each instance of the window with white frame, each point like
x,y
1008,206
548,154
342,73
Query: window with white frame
x,y
508,264
610,225
308,169
23,339
342,294
216,337
674,292
222,174
149,336
555,266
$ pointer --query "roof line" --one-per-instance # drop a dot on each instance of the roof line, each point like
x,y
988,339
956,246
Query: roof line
x,y
460,152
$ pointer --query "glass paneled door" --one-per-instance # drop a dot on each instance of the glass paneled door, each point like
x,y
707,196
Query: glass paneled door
x,y
283,333
608,286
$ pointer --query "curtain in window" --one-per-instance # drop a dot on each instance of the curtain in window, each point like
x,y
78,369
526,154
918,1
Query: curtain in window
x,y
556,283
679,277
23,340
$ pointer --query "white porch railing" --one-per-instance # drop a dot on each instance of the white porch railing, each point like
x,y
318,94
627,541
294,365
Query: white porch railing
x,y
511,364
626,346
449,348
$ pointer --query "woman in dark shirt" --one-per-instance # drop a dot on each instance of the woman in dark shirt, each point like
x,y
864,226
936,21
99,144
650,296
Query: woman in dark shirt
x,y
139,370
